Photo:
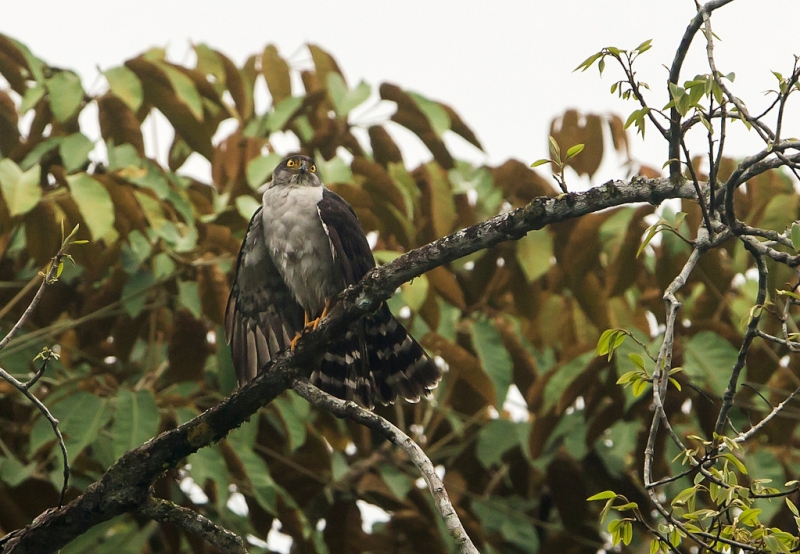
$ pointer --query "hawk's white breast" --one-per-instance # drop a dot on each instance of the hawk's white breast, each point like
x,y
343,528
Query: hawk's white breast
x,y
299,245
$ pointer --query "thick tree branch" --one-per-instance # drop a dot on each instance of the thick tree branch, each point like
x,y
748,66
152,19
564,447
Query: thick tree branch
x,y
125,486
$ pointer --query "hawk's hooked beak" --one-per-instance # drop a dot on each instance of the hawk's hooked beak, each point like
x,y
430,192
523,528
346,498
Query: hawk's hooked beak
x,y
303,167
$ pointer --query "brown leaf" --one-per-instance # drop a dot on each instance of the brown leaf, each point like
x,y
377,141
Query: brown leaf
x,y
568,131
235,84
465,369
9,133
118,123
324,64
12,63
159,93
213,288
619,137
188,349
276,73
445,284
520,184
42,233
411,117
460,128
384,149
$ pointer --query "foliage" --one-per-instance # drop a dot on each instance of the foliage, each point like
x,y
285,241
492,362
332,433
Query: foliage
x,y
562,326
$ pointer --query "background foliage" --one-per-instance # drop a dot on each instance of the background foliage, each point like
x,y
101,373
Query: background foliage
x,y
137,318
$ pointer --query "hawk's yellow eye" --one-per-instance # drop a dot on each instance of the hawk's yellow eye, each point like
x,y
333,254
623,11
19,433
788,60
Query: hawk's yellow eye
x,y
291,163
312,168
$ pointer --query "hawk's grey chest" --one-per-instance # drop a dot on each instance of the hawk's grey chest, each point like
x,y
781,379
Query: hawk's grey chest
x,y
299,245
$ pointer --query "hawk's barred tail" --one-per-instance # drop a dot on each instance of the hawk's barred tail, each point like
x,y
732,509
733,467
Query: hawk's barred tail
x,y
343,370
379,361
400,367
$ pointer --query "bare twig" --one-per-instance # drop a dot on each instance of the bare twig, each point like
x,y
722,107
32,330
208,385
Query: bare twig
x,y
353,411
164,511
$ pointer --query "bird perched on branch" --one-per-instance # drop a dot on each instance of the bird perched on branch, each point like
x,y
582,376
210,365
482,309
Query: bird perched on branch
x,y
304,246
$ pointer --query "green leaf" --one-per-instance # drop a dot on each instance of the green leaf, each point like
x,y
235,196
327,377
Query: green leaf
x,y
605,495
796,236
575,150
81,415
434,113
397,481
539,162
260,168
559,382
135,420
345,100
74,151
95,205
494,357
534,252
184,89
13,473
294,412
283,112
189,297
21,190
415,292
495,439
247,206
134,293
208,464
709,359
126,85
66,94
749,517
32,97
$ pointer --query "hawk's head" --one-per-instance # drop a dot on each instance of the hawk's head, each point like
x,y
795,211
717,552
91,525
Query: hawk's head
x,y
296,170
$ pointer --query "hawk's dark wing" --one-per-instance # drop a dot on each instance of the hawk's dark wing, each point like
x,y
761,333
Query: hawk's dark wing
x,y
398,364
262,316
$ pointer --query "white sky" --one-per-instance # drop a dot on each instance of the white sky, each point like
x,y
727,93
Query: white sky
x,y
505,66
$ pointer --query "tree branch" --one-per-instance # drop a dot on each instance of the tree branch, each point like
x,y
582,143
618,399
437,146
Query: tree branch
x,y
353,411
164,511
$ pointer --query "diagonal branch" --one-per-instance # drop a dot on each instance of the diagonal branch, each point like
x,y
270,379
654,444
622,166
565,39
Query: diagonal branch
x,y
125,486
353,411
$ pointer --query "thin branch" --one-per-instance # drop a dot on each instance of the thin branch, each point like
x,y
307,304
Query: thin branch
x,y
351,410
674,75
164,511
752,326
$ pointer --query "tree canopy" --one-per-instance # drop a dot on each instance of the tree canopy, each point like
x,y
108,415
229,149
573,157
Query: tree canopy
x,y
605,352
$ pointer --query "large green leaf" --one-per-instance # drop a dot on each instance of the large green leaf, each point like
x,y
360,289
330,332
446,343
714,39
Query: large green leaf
x,y
343,99
66,94
135,420
496,438
709,360
126,85
95,205
81,415
74,151
21,190
184,89
294,412
534,252
434,112
494,357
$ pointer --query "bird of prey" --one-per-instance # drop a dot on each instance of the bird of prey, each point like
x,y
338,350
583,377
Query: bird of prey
x,y
304,246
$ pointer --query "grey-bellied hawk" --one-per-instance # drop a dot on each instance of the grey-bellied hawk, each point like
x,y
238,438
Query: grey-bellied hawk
x,y
304,246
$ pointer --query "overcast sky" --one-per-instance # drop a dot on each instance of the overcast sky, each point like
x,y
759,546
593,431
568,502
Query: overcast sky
x,y
505,66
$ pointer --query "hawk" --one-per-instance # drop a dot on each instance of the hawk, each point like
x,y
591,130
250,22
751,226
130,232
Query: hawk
x,y
303,246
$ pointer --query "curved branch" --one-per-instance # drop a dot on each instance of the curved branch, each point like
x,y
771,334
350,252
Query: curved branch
x,y
353,411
